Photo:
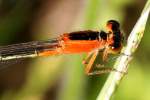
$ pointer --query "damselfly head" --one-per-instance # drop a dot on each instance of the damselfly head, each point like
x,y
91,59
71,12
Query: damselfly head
x,y
114,37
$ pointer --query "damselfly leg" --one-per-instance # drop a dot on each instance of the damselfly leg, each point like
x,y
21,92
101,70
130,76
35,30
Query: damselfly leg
x,y
100,68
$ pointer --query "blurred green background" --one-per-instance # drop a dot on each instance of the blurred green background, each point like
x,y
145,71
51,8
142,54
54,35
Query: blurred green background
x,y
62,77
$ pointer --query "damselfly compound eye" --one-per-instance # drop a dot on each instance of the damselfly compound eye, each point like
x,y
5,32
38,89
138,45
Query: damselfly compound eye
x,y
113,25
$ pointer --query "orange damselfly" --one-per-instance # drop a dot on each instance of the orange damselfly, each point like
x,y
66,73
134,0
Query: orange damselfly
x,y
87,41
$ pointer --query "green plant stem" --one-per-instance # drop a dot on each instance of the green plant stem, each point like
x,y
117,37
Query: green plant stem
x,y
133,41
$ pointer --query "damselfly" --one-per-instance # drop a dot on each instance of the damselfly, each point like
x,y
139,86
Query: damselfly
x,y
87,41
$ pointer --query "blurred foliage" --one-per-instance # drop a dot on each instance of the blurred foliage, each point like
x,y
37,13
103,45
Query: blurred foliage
x,y
15,16
62,77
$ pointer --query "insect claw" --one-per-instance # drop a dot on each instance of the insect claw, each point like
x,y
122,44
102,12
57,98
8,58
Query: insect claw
x,y
99,65
84,62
